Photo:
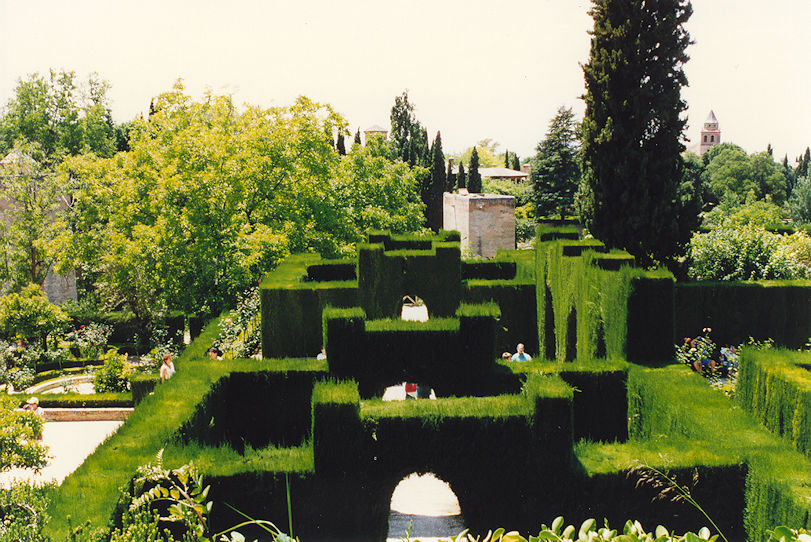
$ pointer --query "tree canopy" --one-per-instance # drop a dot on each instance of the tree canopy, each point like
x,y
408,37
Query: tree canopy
x,y
60,116
209,197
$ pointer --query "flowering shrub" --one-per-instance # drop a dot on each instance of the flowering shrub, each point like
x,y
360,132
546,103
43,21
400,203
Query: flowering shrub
x,y
746,253
702,355
90,339
114,375
240,332
17,364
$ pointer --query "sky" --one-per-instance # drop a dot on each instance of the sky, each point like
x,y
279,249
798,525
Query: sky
x,y
473,69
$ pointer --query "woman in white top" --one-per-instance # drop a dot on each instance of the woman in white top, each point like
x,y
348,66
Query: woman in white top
x,y
167,368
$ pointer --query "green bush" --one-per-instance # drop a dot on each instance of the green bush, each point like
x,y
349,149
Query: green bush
x,y
29,315
742,253
114,375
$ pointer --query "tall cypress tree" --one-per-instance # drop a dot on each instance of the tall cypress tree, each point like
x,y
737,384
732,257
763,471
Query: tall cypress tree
x,y
340,146
632,130
555,171
461,179
450,179
357,137
507,158
516,163
474,183
434,203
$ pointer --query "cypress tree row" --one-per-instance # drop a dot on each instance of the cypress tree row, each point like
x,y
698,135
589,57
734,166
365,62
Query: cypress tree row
x,y
516,163
474,183
461,179
632,130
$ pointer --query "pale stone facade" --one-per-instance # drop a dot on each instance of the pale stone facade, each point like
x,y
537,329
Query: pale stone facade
x,y
486,222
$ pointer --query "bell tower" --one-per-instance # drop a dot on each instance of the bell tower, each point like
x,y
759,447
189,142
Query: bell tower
x,y
710,134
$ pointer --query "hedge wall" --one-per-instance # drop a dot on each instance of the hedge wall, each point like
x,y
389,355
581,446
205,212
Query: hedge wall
x,y
678,418
291,308
452,355
775,387
780,310
592,303
385,276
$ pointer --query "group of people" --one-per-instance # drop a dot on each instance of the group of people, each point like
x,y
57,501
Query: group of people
x,y
703,356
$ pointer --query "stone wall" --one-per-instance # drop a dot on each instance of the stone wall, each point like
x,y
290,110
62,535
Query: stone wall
x,y
486,222
60,288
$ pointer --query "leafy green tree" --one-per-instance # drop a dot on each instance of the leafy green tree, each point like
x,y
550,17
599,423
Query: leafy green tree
x,y
438,180
555,170
633,126
474,182
799,204
733,176
487,149
59,115
461,178
28,315
34,201
209,198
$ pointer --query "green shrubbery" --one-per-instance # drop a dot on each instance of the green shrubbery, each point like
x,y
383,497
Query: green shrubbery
x,y
746,253
114,375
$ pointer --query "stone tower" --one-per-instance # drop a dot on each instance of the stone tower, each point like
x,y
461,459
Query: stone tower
x,y
710,134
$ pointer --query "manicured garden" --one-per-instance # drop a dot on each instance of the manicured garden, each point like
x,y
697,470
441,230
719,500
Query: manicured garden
x,y
584,430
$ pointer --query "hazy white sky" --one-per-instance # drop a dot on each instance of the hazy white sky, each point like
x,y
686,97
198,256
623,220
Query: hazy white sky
x,y
474,69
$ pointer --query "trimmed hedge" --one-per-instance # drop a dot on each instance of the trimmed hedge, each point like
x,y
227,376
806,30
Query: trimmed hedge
x,y
452,355
489,270
291,308
142,385
586,308
332,270
600,402
779,310
708,430
775,387
84,400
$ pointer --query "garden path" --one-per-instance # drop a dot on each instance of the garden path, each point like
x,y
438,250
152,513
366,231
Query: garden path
x,y
69,443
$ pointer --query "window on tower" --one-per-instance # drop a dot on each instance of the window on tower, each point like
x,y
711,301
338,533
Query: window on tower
x,y
712,139
705,139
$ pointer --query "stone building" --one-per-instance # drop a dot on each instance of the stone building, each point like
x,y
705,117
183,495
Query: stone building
x,y
486,222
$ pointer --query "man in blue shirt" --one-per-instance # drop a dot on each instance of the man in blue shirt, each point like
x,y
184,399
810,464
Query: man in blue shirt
x,y
520,355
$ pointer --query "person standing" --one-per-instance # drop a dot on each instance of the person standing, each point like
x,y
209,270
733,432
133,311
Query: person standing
x,y
520,355
167,368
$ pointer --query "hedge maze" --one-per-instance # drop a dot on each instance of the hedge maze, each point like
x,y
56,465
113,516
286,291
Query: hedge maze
x,y
518,443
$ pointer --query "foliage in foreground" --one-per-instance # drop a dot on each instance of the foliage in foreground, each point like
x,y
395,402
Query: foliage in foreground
x,y
632,531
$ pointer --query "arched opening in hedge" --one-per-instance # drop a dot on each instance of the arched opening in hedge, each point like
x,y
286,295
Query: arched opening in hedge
x,y
427,506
